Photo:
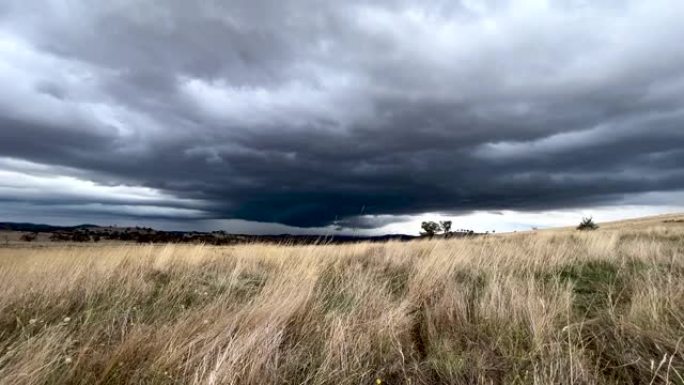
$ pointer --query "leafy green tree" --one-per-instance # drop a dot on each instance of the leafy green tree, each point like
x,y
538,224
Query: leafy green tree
x,y
446,227
430,228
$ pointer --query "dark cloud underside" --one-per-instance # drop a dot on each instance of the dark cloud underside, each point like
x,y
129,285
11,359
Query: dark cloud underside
x,y
307,113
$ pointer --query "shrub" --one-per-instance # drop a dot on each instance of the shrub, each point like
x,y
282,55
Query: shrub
x,y
29,237
587,224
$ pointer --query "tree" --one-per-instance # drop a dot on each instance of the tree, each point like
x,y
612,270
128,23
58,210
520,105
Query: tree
x,y
587,224
430,228
446,227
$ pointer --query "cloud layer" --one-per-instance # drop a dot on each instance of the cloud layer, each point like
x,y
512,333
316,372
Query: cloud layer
x,y
309,113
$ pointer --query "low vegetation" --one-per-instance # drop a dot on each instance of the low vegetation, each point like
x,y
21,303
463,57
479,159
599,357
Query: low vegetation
x,y
599,307
587,224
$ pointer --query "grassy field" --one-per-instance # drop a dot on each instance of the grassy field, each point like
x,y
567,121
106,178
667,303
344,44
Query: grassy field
x,y
551,307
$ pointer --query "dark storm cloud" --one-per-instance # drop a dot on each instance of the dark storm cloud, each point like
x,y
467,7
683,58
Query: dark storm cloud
x,y
308,113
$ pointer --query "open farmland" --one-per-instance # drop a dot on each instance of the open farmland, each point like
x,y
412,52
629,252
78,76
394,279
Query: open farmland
x,y
550,307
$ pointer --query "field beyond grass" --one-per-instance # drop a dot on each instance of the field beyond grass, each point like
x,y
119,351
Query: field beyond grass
x,y
604,307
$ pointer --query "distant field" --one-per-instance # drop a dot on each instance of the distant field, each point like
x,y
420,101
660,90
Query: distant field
x,y
550,307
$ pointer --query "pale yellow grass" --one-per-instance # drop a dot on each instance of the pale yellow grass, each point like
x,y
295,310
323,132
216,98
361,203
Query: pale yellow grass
x,y
605,307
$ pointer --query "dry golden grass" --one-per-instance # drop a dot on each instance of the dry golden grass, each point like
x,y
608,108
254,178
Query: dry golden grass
x,y
604,307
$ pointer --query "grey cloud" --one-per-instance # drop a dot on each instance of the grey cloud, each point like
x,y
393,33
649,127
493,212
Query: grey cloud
x,y
307,113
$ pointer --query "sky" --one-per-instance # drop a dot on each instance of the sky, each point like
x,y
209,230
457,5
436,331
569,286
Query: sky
x,y
304,116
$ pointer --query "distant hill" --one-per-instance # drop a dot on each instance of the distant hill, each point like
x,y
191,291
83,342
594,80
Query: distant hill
x,y
95,233
638,223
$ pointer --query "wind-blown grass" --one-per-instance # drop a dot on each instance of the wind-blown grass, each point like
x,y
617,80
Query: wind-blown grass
x,y
605,307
